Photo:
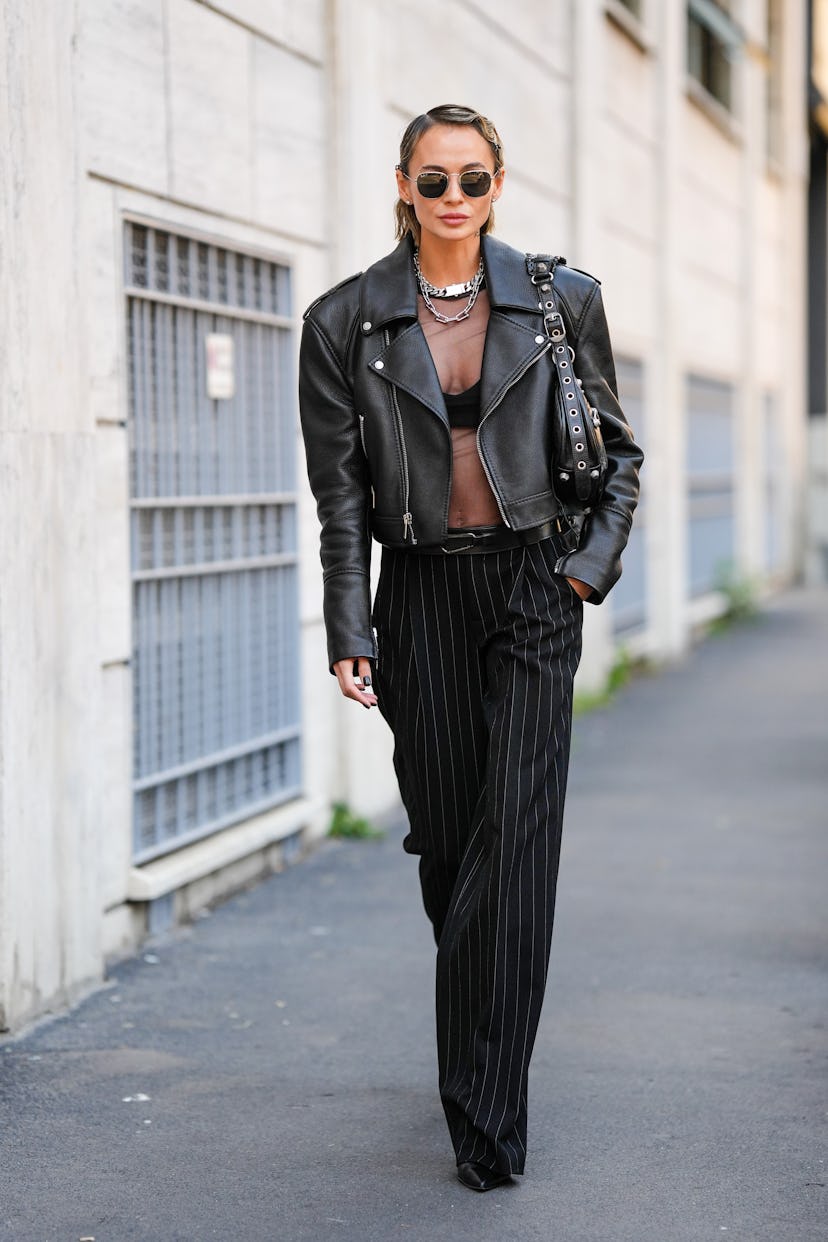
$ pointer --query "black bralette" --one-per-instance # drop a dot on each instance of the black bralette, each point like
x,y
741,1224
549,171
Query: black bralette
x,y
463,408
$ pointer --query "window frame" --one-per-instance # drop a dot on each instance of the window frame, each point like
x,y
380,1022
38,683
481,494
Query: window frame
x,y
727,38
630,22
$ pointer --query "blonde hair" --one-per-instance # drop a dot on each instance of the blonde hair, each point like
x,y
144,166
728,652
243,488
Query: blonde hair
x,y
405,217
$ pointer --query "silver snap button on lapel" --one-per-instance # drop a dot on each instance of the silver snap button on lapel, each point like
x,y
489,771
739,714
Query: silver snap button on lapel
x,y
539,340
379,364
366,327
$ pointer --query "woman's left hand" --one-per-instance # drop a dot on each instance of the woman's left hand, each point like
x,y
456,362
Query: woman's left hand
x,y
582,589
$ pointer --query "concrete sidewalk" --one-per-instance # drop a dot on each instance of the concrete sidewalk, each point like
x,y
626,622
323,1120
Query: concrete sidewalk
x,y
270,1073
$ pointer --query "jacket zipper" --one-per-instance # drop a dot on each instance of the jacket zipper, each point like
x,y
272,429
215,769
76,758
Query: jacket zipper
x,y
480,452
408,520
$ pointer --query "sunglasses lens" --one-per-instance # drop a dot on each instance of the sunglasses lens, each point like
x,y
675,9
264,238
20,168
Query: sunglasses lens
x,y
476,183
432,184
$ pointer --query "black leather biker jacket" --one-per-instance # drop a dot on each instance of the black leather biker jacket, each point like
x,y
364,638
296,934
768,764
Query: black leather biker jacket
x,y
377,435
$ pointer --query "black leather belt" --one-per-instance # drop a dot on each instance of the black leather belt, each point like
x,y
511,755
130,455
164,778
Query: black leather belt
x,y
487,539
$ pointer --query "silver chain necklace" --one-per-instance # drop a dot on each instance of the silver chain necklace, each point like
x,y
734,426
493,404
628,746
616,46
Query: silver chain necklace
x,y
471,287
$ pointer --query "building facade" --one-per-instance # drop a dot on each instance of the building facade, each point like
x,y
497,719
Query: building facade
x,y
181,179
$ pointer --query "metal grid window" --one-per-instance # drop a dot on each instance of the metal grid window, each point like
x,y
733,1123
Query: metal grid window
x,y
629,595
710,466
214,540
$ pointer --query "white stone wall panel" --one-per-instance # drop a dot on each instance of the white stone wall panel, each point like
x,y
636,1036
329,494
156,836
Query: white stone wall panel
x,y
113,542
709,151
103,309
49,723
295,24
627,279
291,178
114,757
535,28
209,109
630,86
708,312
124,97
626,184
711,240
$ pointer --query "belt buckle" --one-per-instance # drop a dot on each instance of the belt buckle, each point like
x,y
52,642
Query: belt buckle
x,y
466,547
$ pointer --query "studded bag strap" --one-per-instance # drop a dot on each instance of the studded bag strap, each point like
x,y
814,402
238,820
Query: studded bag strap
x,y
541,269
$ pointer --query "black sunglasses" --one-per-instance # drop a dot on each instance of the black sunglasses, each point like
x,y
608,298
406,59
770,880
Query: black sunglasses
x,y
474,183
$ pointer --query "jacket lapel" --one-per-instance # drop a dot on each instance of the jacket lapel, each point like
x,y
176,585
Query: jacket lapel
x,y
511,348
407,363
513,343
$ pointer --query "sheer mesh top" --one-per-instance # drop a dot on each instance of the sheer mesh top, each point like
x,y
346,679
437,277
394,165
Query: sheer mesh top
x,y
457,350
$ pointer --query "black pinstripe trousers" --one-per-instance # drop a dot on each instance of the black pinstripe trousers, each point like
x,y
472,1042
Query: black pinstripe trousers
x,y
477,654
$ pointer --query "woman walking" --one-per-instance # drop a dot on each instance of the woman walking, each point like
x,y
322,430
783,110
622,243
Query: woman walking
x,y
442,413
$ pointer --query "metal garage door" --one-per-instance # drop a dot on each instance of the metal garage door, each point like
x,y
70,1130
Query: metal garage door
x,y
214,540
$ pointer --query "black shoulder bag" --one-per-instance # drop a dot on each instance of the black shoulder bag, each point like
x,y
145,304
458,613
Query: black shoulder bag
x,y
579,462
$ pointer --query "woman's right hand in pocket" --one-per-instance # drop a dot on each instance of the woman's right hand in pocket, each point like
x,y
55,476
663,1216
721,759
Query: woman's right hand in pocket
x,y
352,682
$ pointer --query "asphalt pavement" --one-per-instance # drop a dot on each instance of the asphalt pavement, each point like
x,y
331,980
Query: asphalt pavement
x,y
270,1072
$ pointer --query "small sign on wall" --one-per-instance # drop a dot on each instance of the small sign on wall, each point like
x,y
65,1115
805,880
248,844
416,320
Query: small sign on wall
x,y
220,374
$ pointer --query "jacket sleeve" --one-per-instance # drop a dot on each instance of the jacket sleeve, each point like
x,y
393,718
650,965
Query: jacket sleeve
x,y
338,474
597,559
